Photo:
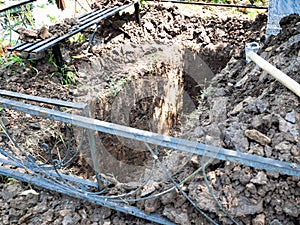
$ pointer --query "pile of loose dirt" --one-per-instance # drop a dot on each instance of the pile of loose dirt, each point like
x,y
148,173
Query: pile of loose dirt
x,y
253,113
216,37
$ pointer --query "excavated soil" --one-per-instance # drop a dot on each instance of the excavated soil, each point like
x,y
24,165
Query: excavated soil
x,y
231,104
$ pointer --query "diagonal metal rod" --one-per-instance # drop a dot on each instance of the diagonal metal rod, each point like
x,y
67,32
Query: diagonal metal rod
x,y
43,100
50,173
157,139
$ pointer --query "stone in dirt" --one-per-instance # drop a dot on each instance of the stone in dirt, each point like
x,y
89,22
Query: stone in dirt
x,y
258,136
260,178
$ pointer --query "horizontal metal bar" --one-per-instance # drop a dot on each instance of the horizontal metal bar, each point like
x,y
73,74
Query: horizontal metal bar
x,y
157,139
215,4
86,20
92,13
81,28
48,184
7,7
20,47
87,13
44,100
39,43
94,17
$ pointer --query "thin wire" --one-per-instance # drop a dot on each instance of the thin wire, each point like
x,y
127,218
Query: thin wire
x,y
165,170
132,192
211,191
56,164
172,188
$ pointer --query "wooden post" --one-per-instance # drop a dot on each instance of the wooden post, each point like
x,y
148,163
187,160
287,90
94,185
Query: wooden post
x,y
276,73
61,4
137,12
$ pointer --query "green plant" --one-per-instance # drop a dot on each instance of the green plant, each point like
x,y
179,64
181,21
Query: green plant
x,y
9,181
204,93
143,3
28,15
34,69
7,60
77,38
69,78
52,60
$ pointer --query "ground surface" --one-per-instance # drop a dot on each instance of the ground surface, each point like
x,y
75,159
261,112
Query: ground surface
x,y
242,108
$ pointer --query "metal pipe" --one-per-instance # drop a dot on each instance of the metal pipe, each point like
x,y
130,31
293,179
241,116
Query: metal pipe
x,y
111,12
50,173
157,139
43,100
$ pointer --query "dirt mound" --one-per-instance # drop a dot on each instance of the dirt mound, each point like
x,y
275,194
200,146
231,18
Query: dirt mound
x,y
216,37
262,117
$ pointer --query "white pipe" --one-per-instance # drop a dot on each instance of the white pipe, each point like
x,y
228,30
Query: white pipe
x,y
276,73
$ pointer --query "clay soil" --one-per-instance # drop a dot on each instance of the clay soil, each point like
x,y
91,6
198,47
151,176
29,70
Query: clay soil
x,y
237,106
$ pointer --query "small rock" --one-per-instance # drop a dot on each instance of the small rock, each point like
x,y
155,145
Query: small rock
x,y
287,127
283,147
5,121
24,218
218,111
257,121
247,207
258,137
251,188
273,174
295,151
149,26
199,132
245,175
178,216
291,209
151,205
67,220
107,223
241,82
64,212
291,117
236,109
235,138
259,220
148,189
261,106
260,178
268,151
